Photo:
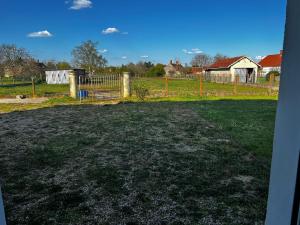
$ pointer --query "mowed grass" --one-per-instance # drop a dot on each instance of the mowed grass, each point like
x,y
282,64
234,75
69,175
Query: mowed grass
x,y
42,89
191,87
156,87
193,162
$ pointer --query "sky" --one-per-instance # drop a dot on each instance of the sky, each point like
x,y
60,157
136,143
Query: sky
x,y
135,30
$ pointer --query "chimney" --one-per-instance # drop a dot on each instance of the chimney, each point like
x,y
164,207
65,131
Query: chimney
x,y
171,62
177,63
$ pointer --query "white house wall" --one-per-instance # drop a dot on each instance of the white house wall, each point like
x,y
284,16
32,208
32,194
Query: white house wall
x,y
266,70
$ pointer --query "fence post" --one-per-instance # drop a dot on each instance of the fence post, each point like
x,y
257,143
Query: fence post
x,y
201,85
271,82
167,86
126,85
33,87
73,84
236,82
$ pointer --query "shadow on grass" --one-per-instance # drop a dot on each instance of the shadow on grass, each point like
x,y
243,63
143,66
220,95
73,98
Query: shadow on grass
x,y
196,162
15,85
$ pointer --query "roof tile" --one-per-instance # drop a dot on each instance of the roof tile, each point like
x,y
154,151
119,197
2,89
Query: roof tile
x,y
271,61
225,63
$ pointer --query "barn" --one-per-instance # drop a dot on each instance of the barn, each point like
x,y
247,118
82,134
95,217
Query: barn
x,y
225,70
61,76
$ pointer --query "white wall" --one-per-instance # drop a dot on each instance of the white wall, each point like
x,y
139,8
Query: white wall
x,y
2,214
287,129
244,64
57,77
266,70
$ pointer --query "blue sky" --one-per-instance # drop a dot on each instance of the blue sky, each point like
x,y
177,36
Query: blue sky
x,y
156,30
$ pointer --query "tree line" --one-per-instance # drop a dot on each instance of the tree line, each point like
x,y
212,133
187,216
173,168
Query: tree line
x,y
19,63
203,60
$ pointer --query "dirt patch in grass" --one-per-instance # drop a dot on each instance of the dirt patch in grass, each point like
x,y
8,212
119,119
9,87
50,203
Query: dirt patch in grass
x,y
150,163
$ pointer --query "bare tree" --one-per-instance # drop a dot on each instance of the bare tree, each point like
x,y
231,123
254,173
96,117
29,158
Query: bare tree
x,y
17,62
11,53
13,59
201,60
219,56
87,57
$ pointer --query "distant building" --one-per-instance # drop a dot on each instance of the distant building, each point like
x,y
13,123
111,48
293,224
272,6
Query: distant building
x,y
225,70
61,76
271,63
198,70
174,69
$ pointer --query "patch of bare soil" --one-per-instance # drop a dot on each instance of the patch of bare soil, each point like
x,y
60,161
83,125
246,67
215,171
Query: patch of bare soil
x,y
155,163
22,101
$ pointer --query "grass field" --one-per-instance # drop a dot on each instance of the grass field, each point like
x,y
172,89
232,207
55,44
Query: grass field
x,y
11,90
187,162
156,86
190,87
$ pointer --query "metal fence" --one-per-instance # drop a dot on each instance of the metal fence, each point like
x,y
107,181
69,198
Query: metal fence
x,y
100,87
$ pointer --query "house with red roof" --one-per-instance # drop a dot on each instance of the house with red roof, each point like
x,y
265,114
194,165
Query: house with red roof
x,y
225,70
271,63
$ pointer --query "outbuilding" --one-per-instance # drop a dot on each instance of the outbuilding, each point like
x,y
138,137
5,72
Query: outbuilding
x,y
225,70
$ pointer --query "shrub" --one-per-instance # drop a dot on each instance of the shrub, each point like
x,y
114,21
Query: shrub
x,y
275,73
141,91
156,71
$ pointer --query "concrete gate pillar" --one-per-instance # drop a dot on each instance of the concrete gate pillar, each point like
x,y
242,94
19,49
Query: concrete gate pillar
x,y
126,85
73,84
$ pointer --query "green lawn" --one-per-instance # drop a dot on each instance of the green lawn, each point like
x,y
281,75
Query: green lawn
x,y
185,87
43,89
160,162
156,87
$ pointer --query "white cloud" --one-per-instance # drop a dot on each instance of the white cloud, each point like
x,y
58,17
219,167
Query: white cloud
x,y
259,57
197,51
103,51
187,52
81,4
124,57
145,56
192,51
40,34
110,30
